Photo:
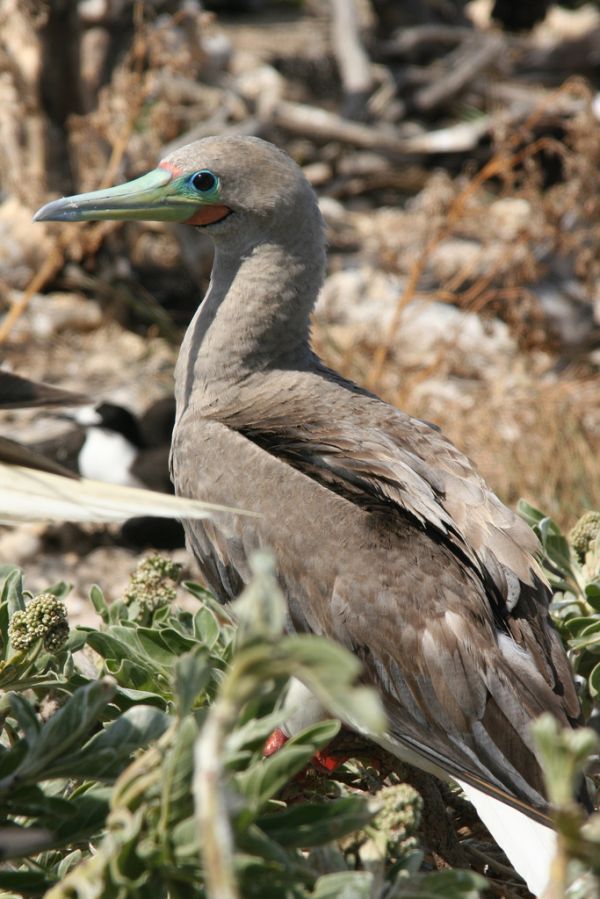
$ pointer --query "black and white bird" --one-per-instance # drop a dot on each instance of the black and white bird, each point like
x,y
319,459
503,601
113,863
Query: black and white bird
x,y
34,487
108,443
102,443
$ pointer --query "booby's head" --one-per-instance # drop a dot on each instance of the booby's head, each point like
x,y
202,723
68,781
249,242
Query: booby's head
x,y
236,188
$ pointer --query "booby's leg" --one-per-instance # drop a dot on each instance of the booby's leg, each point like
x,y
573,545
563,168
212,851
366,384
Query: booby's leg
x,y
305,709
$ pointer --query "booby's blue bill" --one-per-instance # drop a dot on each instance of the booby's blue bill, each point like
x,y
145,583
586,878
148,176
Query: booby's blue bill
x,y
165,194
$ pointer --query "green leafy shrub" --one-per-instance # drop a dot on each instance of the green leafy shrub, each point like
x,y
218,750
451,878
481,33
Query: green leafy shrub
x,y
131,758
45,619
572,565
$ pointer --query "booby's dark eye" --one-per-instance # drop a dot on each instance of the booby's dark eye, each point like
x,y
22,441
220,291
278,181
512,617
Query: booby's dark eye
x,y
204,181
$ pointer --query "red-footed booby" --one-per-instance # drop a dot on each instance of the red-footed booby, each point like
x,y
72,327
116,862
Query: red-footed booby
x,y
387,539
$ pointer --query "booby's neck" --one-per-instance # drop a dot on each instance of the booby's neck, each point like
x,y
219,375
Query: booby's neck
x,y
256,314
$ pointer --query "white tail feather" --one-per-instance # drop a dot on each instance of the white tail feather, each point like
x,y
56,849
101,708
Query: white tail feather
x,y
529,845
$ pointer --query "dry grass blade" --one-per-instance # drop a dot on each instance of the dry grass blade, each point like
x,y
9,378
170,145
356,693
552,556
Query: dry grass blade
x,y
30,495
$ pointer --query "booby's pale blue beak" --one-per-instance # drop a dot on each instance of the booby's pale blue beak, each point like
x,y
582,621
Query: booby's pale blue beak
x,y
160,196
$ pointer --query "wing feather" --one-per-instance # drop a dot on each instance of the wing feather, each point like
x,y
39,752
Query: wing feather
x,y
451,617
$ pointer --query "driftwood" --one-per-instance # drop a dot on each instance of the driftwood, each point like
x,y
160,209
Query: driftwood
x,y
409,41
321,125
353,63
470,58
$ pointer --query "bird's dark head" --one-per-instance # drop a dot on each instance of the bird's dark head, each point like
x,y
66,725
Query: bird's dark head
x,y
231,186
118,419
110,417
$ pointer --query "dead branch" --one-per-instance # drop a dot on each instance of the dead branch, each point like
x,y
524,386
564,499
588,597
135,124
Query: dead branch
x,y
422,38
352,61
316,123
471,58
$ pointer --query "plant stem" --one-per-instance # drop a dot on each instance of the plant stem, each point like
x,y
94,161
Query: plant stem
x,y
216,838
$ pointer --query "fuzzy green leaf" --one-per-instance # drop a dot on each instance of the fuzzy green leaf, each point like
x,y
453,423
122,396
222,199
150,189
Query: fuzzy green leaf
x,y
311,824
329,670
206,627
594,681
528,512
12,591
177,772
26,717
344,885
88,815
62,731
105,755
192,674
99,603
592,595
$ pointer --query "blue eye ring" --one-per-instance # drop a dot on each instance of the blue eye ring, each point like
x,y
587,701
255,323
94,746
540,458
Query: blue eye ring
x,y
204,181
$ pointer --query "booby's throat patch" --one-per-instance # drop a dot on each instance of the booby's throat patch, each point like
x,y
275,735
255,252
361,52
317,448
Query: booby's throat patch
x,y
208,215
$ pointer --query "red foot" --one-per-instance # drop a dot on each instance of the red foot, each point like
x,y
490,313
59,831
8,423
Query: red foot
x,y
274,743
322,761
328,762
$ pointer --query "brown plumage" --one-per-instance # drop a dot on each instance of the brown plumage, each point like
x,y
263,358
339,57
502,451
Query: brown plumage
x,y
387,539
370,554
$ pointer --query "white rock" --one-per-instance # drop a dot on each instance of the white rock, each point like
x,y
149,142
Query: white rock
x,y
23,245
362,296
474,347
454,255
467,260
20,544
366,300
56,312
92,11
263,86
438,395
332,210
218,51
569,310
509,217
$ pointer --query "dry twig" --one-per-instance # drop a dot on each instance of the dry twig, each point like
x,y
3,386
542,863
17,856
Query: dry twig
x,y
353,63
471,58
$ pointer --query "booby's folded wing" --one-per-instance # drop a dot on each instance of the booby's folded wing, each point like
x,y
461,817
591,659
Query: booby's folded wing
x,y
376,454
458,694
491,633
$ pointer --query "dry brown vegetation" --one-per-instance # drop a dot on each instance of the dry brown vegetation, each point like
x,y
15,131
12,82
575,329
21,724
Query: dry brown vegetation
x,y
459,177
535,432
502,227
